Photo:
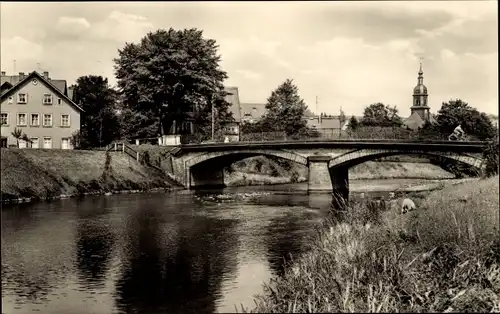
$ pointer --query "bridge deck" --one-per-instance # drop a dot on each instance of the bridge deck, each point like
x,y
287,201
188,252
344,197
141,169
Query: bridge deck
x,y
450,146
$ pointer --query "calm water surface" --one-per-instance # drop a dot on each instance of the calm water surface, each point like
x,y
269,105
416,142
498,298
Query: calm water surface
x,y
182,252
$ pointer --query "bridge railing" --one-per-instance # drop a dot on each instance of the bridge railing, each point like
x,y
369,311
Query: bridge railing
x,y
375,133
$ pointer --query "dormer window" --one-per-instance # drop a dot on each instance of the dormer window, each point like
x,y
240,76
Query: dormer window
x,y
22,98
47,99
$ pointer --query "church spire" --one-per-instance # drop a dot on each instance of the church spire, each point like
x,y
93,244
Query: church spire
x,y
420,74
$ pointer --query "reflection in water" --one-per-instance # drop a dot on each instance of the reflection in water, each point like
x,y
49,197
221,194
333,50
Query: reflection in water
x,y
283,242
179,273
94,242
34,262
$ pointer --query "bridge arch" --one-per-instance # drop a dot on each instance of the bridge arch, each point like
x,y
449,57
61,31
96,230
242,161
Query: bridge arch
x,y
234,156
360,156
208,168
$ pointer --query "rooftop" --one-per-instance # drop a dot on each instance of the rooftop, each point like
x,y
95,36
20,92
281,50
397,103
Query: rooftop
x,y
234,99
61,85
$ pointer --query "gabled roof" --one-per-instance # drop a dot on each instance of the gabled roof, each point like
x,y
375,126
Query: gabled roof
x,y
5,87
48,83
234,99
414,121
326,122
256,110
61,86
12,79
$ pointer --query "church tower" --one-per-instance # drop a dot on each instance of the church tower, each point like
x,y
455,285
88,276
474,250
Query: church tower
x,y
420,98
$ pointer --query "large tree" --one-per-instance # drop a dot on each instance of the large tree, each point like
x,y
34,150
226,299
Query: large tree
x,y
99,122
285,110
457,112
379,114
171,75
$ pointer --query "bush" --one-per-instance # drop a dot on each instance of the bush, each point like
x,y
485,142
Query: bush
x,y
490,155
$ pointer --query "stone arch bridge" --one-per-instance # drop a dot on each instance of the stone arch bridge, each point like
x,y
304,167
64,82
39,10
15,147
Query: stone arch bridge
x,y
328,162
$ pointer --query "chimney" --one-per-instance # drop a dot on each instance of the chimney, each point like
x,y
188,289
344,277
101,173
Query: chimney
x,y
3,73
21,75
46,75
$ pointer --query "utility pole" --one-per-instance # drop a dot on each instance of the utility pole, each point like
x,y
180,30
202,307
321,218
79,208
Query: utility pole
x,y
213,118
316,110
341,120
14,63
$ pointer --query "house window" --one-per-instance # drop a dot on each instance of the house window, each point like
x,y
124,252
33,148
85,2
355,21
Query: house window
x,y
47,99
21,119
59,101
47,120
34,142
65,120
35,119
22,143
4,119
65,143
22,98
11,99
47,142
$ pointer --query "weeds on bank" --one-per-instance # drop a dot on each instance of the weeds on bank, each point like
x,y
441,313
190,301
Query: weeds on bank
x,y
387,262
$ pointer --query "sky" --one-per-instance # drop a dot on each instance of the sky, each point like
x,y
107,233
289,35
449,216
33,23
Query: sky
x,y
344,54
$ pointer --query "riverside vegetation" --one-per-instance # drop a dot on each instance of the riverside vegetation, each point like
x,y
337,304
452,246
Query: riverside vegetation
x,y
443,257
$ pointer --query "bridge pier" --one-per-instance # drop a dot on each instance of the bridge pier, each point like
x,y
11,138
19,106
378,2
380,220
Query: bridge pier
x,y
322,179
319,176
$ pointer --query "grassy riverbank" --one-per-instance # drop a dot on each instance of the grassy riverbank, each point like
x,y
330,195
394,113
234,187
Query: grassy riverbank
x,y
443,257
43,173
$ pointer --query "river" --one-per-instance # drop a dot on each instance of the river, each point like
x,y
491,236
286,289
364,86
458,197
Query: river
x,y
181,252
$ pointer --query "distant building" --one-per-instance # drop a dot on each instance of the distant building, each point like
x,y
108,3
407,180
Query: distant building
x,y
71,90
252,112
328,125
420,109
232,129
41,108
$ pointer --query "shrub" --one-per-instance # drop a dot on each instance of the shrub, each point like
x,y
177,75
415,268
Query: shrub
x,y
490,155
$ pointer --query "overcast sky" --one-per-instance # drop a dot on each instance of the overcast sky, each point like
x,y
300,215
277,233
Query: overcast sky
x,y
349,54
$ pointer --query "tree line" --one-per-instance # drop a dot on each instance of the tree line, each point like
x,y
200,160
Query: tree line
x,y
451,114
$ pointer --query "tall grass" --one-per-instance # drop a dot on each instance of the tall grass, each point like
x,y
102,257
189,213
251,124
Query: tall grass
x,y
444,257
